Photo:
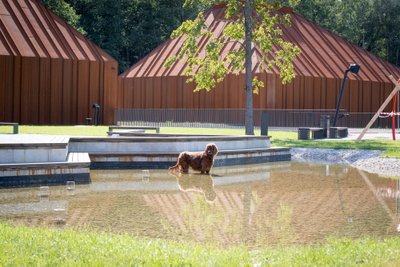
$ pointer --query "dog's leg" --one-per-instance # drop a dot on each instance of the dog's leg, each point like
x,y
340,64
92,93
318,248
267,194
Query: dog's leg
x,y
184,166
204,167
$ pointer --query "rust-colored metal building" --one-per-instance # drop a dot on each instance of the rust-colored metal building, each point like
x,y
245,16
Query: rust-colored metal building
x,y
50,73
319,73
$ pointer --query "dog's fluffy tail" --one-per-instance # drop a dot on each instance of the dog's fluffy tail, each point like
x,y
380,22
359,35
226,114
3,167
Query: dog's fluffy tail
x,y
174,167
178,162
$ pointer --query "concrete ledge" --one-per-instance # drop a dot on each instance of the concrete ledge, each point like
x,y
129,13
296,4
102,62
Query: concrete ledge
x,y
32,145
175,154
77,169
165,160
157,144
45,179
169,138
81,160
33,152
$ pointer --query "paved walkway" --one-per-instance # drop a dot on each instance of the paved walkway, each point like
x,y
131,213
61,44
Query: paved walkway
x,y
372,134
353,133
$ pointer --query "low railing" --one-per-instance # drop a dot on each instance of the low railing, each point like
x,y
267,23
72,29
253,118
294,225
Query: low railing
x,y
233,118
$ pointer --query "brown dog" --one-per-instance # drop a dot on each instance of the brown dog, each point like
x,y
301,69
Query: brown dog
x,y
199,161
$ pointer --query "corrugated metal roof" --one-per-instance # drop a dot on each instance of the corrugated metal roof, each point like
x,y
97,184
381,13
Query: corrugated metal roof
x,y
29,29
324,54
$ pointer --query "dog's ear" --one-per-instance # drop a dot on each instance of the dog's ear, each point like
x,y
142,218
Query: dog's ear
x,y
215,149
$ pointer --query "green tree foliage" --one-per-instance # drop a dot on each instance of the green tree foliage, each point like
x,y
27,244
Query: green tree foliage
x,y
64,11
129,29
371,24
105,21
152,22
251,23
383,30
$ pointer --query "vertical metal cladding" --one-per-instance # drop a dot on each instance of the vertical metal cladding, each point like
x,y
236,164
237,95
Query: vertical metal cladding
x,y
50,73
319,72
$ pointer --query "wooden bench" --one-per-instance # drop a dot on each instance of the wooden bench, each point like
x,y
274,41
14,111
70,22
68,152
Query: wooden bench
x,y
126,133
155,128
15,126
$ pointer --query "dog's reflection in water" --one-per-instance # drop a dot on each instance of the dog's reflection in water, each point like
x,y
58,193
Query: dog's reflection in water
x,y
196,183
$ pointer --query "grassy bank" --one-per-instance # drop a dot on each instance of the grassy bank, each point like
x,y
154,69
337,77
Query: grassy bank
x,y
391,148
21,246
279,138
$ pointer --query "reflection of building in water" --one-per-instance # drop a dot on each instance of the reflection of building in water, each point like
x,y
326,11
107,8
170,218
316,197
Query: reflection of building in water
x,y
290,206
295,204
389,197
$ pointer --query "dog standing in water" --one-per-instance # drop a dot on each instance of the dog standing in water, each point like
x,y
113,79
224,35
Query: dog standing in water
x,y
198,161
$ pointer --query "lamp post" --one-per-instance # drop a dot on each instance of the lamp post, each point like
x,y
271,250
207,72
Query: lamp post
x,y
354,68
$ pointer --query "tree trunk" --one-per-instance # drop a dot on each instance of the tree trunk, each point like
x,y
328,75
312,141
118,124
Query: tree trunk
x,y
249,123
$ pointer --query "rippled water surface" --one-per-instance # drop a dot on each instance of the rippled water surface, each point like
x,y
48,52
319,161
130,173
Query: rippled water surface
x,y
252,205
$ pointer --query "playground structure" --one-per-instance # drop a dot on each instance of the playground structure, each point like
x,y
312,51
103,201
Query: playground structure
x,y
380,112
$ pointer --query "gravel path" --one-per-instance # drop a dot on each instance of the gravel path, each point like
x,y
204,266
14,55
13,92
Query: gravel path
x,y
367,160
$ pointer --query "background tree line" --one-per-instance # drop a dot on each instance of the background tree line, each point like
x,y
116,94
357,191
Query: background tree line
x,y
130,29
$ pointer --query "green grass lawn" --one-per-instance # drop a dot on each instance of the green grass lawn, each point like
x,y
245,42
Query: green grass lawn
x,y
391,148
23,246
278,138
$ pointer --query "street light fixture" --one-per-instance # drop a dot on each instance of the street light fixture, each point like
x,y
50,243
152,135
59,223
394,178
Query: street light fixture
x,y
354,68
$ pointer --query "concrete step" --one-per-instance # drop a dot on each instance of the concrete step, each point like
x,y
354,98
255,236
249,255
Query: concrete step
x,y
75,168
168,144
33,149
163,160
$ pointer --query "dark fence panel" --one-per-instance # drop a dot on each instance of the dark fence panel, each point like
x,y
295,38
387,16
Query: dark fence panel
x,y
227,118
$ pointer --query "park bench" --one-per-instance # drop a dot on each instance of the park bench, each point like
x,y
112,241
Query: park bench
x,y
132,128
131,132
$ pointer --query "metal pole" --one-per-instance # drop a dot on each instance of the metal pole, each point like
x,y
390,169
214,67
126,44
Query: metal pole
x,y
398,109
340,98
394,118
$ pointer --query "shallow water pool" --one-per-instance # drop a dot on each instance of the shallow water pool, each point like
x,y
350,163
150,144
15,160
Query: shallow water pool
x,y
252,205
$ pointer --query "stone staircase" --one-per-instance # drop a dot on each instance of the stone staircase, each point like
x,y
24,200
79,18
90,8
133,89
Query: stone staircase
x,y
34,160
